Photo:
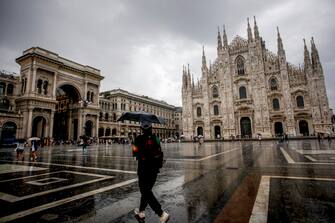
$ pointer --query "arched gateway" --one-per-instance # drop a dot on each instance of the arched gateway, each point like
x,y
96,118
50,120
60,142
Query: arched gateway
x,y
66,113
58,96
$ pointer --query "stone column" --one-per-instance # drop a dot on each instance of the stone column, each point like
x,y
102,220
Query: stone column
x,y
85,91
97,127
80,122
51,125
5,90
30,122
28,81
54,86
69,126
33,80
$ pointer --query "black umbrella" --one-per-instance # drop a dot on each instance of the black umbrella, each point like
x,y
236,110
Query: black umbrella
x,y
141,117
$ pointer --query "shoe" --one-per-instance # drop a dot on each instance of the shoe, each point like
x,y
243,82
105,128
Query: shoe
x,y
164,217
139,215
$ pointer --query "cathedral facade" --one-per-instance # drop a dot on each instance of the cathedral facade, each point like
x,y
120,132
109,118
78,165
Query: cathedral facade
x,y
250,91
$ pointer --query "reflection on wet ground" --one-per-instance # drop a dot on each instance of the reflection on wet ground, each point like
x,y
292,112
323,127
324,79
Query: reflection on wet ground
x,y
215,182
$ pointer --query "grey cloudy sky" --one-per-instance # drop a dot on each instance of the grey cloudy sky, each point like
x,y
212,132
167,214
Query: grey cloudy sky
x,y
141,45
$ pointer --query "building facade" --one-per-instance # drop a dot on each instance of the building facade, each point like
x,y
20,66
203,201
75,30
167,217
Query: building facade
x,y
52,97
115,102
249,90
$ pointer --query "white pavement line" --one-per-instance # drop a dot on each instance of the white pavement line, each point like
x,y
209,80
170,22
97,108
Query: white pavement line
x,y
19,178
119,157
204,158
63,201
310,158
316,152
260,210
13,198
303,178
46,181
287,156
78,167
310,163
218,154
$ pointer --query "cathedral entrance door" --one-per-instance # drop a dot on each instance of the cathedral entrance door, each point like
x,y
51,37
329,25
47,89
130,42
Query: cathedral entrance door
x,y
200,131
245,127
279,129
217,132
39,124
303,127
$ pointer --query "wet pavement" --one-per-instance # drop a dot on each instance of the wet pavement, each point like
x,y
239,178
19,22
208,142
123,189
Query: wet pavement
x,y
215,182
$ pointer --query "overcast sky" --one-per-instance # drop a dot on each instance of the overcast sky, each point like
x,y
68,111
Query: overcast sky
x,y
141,45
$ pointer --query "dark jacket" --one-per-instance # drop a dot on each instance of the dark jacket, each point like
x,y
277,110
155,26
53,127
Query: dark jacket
x,y
147,150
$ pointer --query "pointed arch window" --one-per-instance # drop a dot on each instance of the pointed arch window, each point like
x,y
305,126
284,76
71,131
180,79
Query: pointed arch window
x,y
243,92
275,104
240,65
273,84
215,92
216,109
198,112
300,101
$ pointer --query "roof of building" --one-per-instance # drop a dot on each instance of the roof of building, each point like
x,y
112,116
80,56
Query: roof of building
x,y
118,91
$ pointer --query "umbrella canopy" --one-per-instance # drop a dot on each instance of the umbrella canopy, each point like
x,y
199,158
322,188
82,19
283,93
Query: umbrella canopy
x,y
34,138
141,117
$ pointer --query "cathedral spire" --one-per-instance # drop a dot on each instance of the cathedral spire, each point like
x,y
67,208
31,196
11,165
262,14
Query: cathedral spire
x,y
315,56
280,43
225,39
307,60
249,32
184,77
256,32
203,57
219,40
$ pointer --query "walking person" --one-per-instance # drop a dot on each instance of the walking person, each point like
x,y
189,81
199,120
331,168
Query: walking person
x,y
84,142
147,150
33,150
329,139
19,150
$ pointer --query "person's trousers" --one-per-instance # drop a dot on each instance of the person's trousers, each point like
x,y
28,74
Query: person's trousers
x,y
146,182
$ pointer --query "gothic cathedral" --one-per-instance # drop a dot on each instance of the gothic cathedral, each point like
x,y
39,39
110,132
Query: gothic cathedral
x,y
250,91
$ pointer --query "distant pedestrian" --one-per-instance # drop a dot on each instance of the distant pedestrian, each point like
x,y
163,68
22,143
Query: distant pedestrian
x,y
286,137
19,150
147,150
329,139
319,137
33,150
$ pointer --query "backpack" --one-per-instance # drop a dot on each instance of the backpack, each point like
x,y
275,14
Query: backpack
x,y
149,149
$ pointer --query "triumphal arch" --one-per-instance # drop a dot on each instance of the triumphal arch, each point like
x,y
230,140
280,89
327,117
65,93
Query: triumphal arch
x,y
58,98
